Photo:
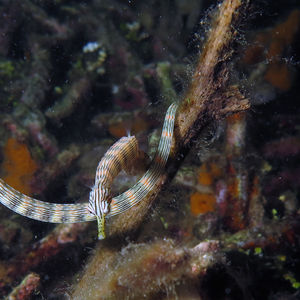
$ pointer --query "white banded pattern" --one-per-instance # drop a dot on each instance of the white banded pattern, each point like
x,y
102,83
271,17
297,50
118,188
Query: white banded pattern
x,y
43,211
111,164
120,156
148,181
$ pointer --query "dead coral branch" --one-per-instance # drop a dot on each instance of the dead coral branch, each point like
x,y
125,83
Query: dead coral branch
x,y
141,270
208,97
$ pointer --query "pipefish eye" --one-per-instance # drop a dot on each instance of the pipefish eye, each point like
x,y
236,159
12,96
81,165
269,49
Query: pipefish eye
x,y
105,207
92,195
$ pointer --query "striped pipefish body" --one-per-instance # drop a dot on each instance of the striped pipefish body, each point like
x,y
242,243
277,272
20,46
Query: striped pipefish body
x,y
43,211
149,180
122,155
105,206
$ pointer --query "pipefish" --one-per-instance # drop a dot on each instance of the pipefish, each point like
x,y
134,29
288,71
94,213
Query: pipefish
x,y
101,204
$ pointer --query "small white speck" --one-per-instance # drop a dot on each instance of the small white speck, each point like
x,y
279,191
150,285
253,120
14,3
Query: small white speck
x,y
91,47
115,89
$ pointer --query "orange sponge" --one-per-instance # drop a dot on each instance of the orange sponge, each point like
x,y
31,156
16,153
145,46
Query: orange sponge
x,y
202,203
18,166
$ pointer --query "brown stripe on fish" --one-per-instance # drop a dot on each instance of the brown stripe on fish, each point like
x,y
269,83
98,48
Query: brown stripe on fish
x,y
147,183
122,155
43,211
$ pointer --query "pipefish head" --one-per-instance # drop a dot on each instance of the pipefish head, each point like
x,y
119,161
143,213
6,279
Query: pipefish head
x,y
99,206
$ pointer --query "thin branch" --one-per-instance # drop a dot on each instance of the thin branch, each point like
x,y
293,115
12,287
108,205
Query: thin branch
x,y
209,97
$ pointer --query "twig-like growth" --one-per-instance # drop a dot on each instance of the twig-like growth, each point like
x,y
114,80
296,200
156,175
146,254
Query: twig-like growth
x,y
26,288
209,97
61,237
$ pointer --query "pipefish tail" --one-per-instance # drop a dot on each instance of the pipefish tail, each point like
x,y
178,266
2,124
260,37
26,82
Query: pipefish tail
x,y
121,155
43,211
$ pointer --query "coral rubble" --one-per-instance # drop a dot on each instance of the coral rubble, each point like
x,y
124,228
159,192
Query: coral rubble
x,y
223,220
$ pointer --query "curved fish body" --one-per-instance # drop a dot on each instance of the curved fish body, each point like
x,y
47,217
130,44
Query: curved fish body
x,y
101,204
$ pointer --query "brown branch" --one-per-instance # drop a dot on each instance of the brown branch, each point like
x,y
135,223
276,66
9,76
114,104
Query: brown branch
x,y
26,288
209,97
63,235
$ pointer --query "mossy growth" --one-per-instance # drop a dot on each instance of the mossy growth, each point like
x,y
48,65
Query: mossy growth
x,y
295,284
9,72
7,69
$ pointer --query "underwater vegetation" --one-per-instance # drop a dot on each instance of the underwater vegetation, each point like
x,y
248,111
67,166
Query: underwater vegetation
x,y
222,221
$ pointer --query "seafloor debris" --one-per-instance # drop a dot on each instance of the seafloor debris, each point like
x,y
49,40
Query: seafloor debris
x,y
77,75
142,270
40,252
26,288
